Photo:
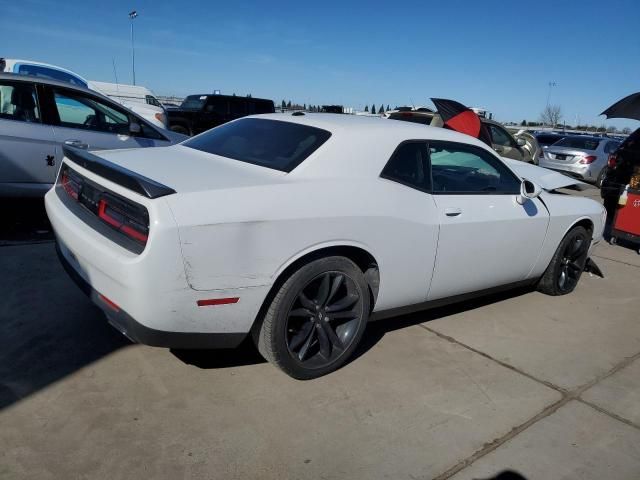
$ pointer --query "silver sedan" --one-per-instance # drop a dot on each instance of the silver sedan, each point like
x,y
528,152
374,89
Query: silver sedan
x,y
580,156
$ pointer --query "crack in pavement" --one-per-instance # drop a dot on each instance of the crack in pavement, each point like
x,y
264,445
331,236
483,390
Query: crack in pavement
x,y
567,396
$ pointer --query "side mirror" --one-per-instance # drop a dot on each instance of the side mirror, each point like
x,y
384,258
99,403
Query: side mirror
x,y
521,141
528,191
134,128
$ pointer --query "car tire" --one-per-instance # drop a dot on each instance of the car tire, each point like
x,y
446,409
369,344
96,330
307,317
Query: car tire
x,y
316,318
600,178
179,129
567,264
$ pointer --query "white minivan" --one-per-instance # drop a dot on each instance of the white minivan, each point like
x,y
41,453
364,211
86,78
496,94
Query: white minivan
x,y
137,99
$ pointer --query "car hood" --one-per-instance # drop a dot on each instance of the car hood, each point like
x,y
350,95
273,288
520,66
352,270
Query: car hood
x,y
186,170
547,179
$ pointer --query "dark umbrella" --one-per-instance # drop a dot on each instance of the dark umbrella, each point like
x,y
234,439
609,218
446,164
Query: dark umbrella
x,y
456,116
628,107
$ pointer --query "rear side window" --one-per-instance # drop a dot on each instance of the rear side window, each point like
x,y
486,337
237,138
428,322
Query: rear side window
x,y
18,101
409,166
500,136
269,143
580,143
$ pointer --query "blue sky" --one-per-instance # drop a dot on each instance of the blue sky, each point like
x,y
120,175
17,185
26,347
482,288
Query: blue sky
x,y
497,55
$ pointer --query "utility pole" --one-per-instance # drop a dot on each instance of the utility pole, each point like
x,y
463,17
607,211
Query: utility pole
x,y
132,15
551,84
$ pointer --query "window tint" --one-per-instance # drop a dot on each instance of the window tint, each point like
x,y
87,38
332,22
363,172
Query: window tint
x,y
261,106
581,143
459,168
194,102
18,101
238,107
268,143
79,111
52,73
217,106
611,147
500,136
409,166
151,100
548,139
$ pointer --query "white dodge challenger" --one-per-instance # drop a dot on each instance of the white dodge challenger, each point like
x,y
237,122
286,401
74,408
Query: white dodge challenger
x,y
297,229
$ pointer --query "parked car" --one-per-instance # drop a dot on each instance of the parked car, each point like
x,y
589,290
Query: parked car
x,y
522,146
298,228
199,113
546,139
136,98
151,112
38,116
581,156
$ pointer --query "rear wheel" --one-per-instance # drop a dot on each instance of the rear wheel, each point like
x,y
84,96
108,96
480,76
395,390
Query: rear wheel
x,y
600,178
567,264
316,319
179,129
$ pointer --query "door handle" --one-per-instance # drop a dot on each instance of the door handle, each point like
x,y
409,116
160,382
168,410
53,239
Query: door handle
x,y
452,212
76,144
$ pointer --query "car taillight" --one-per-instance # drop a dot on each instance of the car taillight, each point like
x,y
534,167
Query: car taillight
x,y
613,160
588,159
124,219
71,186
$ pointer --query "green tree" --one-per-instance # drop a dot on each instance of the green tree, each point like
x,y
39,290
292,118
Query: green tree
x,y
381,110
388,107
366,108
284,104
523,123
373,108
289,104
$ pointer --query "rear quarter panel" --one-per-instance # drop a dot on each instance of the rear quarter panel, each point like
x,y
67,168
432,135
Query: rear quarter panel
x,y
245,237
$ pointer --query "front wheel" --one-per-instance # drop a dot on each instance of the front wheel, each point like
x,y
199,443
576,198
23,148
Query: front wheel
x,y
567,264
600,178
316,319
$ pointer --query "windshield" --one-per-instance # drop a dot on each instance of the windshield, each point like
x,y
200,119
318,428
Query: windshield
x,y
194,102
581,143
268,143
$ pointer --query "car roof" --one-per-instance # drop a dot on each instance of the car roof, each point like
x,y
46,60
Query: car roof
x,y
249,99
344,123
17,77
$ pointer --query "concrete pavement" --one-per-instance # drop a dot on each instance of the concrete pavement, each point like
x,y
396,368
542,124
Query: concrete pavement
x,y
546,386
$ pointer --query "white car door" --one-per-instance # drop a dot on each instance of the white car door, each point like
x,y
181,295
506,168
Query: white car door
x,y
87,121
27,149
486,237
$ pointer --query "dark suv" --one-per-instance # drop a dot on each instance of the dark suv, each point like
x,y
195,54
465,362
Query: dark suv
x,y
202,112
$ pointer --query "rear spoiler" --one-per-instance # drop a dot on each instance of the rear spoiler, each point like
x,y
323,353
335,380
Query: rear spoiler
x,y
117,174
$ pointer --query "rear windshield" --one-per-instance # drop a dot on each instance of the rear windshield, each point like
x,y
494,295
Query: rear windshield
x,y
268,143
548,139
580,143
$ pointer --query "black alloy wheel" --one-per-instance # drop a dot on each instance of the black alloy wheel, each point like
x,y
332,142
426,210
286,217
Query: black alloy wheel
x,y
567,264
572,263
323,319
316,318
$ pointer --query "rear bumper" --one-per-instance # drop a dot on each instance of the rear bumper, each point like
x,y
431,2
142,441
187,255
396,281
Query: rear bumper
x,y
139,333
582,172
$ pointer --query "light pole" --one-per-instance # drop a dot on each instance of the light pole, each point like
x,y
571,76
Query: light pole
x,y
132,15
551,84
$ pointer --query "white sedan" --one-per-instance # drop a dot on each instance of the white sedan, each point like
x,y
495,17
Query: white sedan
x,y
297,229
